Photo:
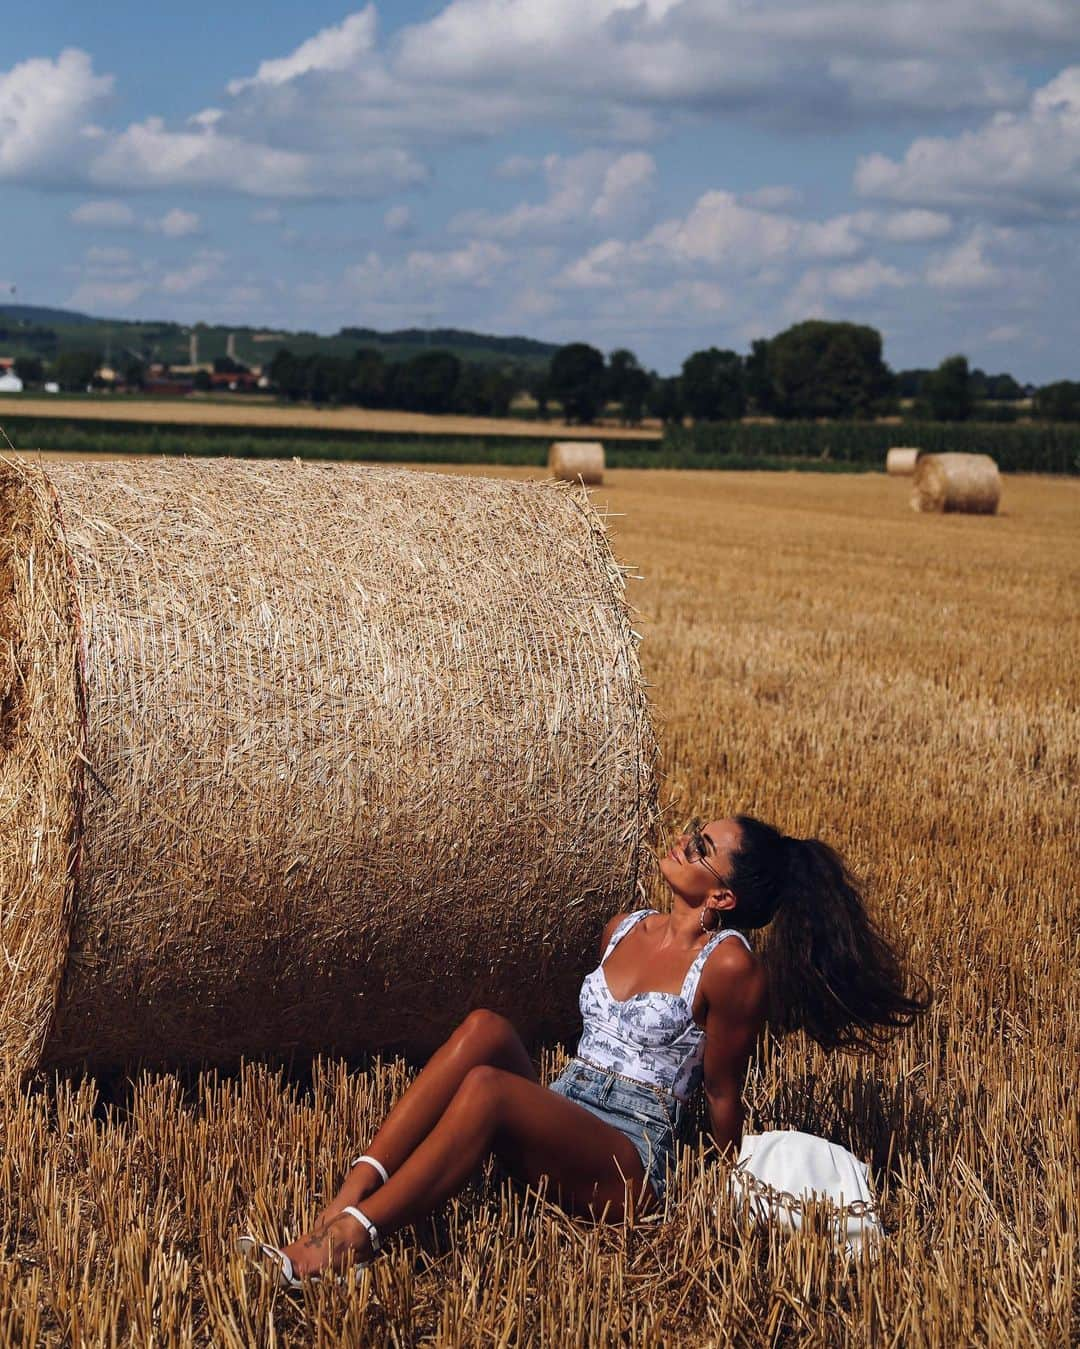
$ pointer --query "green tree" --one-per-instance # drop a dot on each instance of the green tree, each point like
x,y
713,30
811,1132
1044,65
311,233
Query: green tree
x,y
367,378
578,379
134,373
949,392
665,399
713,388
202,381
426,383
756,377
823,369
628,385
76,369
29,369
1059,402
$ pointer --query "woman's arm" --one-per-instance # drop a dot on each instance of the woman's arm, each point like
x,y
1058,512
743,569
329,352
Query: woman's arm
x,y
734,986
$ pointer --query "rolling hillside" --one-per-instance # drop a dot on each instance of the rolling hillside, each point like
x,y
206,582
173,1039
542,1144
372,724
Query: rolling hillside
x,y
32,330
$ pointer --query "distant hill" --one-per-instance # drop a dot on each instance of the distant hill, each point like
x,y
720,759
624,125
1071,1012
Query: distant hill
x,y
40,331
39,314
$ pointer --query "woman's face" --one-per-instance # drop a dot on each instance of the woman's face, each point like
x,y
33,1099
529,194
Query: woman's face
x,y
695,878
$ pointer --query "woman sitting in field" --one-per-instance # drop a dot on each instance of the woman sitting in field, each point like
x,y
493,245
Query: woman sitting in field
x,y
673,1005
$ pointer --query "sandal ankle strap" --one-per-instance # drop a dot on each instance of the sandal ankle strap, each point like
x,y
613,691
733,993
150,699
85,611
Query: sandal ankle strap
x,y
365,1221
372,1161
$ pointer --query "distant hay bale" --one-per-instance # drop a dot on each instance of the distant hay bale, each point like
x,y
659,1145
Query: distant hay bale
x,y
570,460
956,482
304,758
900,461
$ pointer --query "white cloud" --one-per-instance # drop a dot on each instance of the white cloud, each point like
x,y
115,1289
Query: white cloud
x,y
595,186
43,107
332,49
915,226
925,82
205,266
176,224
965,267
346,113
424,271
825,290
1017,164
106,215
101,295
628,183
398,220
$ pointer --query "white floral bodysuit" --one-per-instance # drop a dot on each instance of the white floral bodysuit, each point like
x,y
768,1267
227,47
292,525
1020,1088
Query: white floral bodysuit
x,y
651,1037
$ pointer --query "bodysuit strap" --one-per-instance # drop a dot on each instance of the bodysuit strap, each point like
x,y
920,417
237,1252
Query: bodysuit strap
x,y
693,974
623,928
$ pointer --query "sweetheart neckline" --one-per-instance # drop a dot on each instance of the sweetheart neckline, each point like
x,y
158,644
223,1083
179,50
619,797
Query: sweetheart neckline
x,y
646,993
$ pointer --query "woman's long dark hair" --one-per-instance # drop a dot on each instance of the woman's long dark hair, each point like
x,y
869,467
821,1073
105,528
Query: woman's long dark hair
x,y
831,972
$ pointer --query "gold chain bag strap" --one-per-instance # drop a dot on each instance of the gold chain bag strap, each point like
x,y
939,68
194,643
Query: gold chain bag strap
x,y
779,1174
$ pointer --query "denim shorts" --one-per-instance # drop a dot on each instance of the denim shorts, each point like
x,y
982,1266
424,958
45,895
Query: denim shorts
x,y
651,1123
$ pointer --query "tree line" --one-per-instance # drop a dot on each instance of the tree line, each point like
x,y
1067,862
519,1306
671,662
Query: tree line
x,y
813,370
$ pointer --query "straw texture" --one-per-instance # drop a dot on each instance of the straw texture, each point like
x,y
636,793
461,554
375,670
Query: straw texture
x,y
569,460
900,461
956,482
363,749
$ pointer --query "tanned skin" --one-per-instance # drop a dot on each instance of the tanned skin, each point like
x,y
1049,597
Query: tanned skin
x,y
479,1093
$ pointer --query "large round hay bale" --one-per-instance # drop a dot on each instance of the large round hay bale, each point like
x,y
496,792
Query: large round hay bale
x,y
302,758
900,461
956,482
571,460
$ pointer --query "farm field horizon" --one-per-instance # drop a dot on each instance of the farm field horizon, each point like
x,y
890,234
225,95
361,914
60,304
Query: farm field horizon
x,y
903,686
238,414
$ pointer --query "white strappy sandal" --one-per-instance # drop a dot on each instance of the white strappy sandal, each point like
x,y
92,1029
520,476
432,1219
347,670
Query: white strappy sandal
x,y
287,1277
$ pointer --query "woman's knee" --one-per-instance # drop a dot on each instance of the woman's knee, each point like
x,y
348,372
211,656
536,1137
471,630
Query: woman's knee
x,y
483,1087
487,1028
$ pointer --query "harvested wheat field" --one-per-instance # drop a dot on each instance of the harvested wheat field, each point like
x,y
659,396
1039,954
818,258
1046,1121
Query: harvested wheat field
x,y
903,685
195,412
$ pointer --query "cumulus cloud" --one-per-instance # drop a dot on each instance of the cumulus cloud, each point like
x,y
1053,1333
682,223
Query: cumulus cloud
x,y
349,113
205,266
1024,164
596,187
45,106
103,295
398,220
424,271
722,234
965,267
176,224
332,49
103,215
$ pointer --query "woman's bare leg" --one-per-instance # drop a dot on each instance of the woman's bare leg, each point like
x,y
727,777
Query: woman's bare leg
x,y
593,1168
484,1039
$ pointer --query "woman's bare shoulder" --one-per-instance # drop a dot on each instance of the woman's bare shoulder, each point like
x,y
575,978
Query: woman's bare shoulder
x,y
733,973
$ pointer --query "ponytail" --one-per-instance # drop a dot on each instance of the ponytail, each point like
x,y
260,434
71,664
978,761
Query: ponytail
x,y
831,972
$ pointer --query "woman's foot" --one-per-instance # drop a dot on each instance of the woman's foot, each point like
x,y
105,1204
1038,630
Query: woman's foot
x,y
331,1245
361,1181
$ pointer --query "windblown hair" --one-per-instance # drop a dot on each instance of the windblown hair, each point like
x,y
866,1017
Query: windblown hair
x,y
831,972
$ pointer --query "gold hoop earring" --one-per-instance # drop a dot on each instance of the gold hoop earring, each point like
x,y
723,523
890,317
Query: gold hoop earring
x,y
701,920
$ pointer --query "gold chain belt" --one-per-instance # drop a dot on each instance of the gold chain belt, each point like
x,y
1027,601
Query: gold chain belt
x,y
665,1096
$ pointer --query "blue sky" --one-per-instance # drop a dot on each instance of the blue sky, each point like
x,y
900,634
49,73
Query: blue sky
x,y
662,174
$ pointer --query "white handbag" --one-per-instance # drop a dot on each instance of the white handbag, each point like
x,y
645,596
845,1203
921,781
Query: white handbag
x,y
778,1172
